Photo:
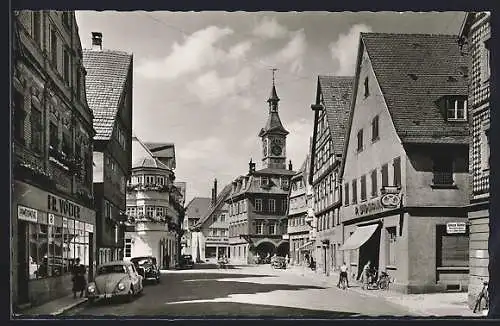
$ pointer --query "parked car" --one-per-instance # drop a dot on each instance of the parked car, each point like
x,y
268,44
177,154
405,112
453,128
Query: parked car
x,y
278,262
147,268
186,261
115,279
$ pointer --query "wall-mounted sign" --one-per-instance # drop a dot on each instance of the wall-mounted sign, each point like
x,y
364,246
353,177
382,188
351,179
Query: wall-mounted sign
x,y
27,214
286,237
51,219
456,227
390,200
63,206
368,207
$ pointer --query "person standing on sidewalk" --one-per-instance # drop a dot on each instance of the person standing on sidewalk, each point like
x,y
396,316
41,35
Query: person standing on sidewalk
x,y
343,275
78,279
366,275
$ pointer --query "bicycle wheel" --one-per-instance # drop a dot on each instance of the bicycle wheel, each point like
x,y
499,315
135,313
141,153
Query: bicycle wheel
x,y
383,284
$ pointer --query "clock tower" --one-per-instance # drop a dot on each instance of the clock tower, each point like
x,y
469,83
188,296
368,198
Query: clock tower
x,y
273,135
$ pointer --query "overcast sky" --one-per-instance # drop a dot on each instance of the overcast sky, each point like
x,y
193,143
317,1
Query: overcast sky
x,y
201,79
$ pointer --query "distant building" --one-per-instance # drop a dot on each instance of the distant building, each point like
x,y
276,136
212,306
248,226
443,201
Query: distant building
x,y
405,163
475,41
181,185
154,209
210,234
53,217
196,209
301,226
331,114
109,93
258,201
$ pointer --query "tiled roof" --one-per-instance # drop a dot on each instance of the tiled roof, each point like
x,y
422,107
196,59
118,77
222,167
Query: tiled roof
x,y
143,158
337,91
303,171
161,149
107,72
198,207
220,201
415,71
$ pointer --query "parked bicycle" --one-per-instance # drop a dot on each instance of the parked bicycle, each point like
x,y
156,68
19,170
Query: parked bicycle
x,y
383,281
482,297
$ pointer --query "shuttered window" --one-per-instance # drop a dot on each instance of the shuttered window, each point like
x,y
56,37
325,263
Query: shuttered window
x,y
397,171
354,191
385,175
374,183
363,187
346,194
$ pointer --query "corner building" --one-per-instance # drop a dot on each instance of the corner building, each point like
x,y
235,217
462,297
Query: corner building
x,y
258,200
53,216
405,169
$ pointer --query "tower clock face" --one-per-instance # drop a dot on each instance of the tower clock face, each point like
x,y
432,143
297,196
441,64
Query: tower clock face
x,y
276,150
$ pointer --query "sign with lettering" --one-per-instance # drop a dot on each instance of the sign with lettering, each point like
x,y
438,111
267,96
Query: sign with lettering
x,y
63,206
368,207
218,239
51,219
89,227
27,214
456,227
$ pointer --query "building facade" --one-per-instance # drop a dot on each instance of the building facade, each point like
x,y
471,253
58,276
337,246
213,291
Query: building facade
x,y
331,112
405,168
258,201
109,92
196,209
154,209
474,40
300,226
210,235
53,215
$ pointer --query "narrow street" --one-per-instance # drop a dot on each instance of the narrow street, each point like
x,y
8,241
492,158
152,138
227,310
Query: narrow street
x,y
249,291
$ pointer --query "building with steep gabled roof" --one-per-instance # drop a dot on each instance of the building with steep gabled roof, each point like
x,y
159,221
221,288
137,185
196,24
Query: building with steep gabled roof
x,y
405,162
210,239
331,112
195,210
155,209
108,85
258,200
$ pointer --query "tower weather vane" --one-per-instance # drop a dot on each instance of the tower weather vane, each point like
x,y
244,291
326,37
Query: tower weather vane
x,y
274,71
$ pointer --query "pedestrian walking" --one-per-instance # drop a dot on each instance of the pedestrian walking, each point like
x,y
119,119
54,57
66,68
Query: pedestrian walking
x,y
366,275
78,278
343,275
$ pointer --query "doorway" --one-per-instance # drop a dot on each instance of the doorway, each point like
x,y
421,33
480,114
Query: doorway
x,y
370,251
91,257
22,262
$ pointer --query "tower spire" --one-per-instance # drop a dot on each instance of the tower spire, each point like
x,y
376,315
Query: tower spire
x,y
273,98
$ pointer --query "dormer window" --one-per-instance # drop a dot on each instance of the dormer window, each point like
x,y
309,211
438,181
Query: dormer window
x,y
264,181
456,109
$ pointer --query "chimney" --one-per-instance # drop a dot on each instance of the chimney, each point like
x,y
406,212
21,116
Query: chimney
x,y
97,41
290,165
214,193
251,167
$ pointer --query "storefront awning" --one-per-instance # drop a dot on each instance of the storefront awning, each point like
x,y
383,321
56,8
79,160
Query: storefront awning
x,y
359,237
306,246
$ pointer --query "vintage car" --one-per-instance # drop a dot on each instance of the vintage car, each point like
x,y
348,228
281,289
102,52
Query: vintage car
x,y
115,279
147,268
186,261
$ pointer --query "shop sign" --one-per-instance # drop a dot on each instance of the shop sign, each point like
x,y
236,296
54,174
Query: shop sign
x,y
286,237
218,239
27,214
368,207
390,200
89,228
63,206
456,227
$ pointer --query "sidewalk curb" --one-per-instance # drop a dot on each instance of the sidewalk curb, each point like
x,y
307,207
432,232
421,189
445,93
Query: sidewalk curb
x,y
69,307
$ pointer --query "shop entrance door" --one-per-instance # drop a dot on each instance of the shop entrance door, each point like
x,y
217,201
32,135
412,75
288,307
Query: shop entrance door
x,y
22,262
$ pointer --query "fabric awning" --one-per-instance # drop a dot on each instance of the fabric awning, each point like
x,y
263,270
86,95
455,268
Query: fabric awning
x,y
306,246
359,237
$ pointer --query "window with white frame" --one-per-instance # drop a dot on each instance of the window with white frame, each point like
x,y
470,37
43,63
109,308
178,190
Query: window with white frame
x,y
258,227
159,211
222,218
128,248
160,180
272,205
457,110
150,179
258,205
264,181
139,179
284,182
272,228
284,204
150,211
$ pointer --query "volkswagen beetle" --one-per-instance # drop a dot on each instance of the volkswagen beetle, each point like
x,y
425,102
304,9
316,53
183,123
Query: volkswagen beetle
x,y
115,279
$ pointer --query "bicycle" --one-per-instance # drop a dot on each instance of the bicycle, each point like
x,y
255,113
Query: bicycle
x,y
384,281
343,283
482,295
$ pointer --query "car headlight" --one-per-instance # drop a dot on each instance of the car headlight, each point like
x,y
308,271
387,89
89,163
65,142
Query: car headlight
x,y
121,286
91,289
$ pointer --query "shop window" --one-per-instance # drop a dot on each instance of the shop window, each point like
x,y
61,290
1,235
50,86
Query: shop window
x,y
391,246
36,129
396,164
452,249
19,116
443,170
